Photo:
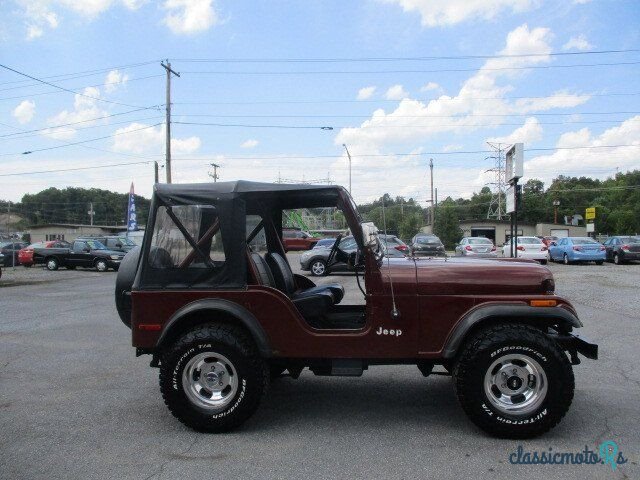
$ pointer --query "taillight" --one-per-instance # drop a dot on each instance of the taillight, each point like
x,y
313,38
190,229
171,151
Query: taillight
x,y
468,248
521,248
493,249
402,248
623,247
577,249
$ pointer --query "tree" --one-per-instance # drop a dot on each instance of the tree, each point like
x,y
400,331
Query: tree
x,y
447,224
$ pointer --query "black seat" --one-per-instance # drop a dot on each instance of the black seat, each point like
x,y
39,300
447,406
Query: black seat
x,y
286,282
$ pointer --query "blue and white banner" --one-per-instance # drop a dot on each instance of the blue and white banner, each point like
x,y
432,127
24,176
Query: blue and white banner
x,y
132,222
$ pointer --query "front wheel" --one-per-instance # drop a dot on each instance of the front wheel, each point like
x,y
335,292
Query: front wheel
x,y
565,259
52,264
101,266
212,378
318,268
513,381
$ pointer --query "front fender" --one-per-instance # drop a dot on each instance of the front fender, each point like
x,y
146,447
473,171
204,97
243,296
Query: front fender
x,y
547,316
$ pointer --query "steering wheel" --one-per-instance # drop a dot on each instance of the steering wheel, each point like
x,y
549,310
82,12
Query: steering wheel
x,y
334,249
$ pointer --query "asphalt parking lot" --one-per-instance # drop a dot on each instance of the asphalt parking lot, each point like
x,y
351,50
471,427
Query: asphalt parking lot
x,y
75,402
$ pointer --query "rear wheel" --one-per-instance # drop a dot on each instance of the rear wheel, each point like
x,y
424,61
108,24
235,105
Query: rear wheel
x,y
616,259
212,378
513,381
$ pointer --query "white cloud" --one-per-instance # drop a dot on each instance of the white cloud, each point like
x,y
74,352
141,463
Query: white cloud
x,y
430,86
480,98
43,14
450,12
24,111
579,43
397,92
114,79
143,138
366,93
530,132
594,162
454,147
251,143
85,109
190,16
561,99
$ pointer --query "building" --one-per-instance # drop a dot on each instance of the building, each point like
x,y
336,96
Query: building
x,y
67,231
499,231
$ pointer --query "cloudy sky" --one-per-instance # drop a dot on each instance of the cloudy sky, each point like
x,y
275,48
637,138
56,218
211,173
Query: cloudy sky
x,y
399,82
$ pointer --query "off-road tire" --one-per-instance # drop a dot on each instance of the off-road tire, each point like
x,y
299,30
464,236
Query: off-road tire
x,y
231,342
489,345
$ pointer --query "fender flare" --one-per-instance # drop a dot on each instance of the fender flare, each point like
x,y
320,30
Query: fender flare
x,y
552,315
244,317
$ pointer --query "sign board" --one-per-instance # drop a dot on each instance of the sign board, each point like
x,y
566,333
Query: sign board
x,y
514,162
511,199
590,213
591,227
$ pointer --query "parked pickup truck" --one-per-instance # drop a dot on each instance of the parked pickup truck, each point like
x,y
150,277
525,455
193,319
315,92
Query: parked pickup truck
x,y
86,253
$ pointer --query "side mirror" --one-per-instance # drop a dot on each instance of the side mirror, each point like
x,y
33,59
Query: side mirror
x,y
369,234
86,249
118,245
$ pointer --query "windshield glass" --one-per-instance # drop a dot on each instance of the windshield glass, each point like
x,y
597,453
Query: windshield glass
x,y
583,241
480,241
629,239
529,240
95,245
126,241
425,240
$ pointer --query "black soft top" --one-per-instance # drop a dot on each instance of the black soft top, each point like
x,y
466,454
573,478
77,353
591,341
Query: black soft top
x,y
281,195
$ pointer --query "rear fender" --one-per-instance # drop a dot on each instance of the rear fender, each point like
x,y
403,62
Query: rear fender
x,y
211,307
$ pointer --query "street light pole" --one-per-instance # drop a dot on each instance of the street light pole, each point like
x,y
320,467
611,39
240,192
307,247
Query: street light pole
x,y
348,155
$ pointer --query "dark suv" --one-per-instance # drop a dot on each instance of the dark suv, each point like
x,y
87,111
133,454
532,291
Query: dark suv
x,y
221,319
118,243
84,252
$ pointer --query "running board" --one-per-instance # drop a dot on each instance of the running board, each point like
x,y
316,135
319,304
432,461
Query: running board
x,y
340,368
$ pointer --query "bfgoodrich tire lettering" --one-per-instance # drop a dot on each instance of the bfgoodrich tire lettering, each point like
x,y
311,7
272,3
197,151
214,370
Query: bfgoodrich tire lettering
x,y
231,344
508,342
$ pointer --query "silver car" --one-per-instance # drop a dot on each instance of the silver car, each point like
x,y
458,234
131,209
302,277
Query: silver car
x,y
476,247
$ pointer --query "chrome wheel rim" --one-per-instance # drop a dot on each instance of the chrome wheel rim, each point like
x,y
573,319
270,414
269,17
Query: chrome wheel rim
x,y
318,268
516,384
101,266
210,381
616,259
51,264
565,259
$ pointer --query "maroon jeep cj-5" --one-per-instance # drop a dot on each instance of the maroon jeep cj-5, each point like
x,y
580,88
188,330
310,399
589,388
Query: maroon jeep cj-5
x,y
211,296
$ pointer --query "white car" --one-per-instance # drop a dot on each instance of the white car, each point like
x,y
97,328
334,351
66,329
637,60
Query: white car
x,y
528,247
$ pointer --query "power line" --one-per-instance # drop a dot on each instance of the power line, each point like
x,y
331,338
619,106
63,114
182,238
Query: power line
x,y
75,169
80,142
134,79
313,127
452,117
72,123
72,91
304,102
442,70
87,73
396,59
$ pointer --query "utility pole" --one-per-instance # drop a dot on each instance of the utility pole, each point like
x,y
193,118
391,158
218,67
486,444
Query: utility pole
x,y
215,172
155,171
496,206
434,210
431,170
169,71
91,213
348,155
556,204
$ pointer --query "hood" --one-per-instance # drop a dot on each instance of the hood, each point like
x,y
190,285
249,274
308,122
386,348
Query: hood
x,y
471,276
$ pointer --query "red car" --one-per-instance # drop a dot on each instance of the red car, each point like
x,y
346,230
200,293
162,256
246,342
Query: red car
x,y
294,239
25,256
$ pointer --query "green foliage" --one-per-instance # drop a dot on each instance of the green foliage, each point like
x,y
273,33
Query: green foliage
x,y
403,217
447,223
71,205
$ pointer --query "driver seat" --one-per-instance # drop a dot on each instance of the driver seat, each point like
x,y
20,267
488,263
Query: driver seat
x,y
285,281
